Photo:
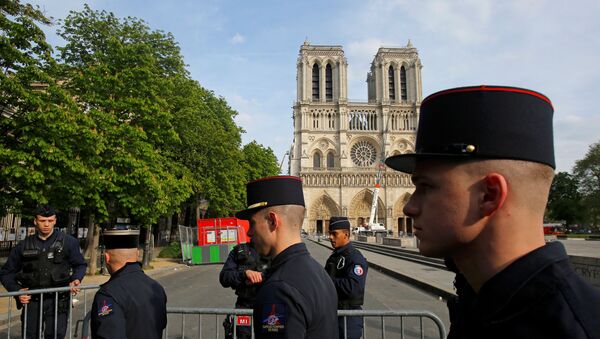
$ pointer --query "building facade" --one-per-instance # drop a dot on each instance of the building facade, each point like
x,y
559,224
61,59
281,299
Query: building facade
x,y
339,144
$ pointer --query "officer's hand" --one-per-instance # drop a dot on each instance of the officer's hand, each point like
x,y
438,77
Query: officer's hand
x,y
75,282
254,277
24,298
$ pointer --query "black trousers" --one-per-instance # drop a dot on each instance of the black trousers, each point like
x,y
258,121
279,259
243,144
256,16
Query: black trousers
x,y
31,331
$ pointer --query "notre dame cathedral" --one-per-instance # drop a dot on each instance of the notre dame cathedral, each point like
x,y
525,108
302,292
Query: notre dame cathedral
x,y
339,144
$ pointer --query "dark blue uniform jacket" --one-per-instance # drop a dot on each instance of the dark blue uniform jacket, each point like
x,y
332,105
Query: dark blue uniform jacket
x,y
297,300
351,276
129,305
537,296
14,263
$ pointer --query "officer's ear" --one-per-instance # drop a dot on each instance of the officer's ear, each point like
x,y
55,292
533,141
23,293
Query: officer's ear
x,y
273,219
494,189
106,257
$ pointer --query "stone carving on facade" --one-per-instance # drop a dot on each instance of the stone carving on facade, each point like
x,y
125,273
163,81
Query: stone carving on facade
x,y
311,138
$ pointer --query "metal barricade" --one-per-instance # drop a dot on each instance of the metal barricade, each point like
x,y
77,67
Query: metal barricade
x,y
10,315
385,327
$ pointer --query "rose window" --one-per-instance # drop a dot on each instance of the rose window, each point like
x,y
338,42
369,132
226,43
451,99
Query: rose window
x,y
363,154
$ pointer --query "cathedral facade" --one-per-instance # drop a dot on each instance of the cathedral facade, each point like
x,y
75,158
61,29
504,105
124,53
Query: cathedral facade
x,y
339,145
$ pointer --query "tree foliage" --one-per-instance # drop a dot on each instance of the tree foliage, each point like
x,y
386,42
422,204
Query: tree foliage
x,y
587,170
121,74
259,161
564,202
43,136
115,124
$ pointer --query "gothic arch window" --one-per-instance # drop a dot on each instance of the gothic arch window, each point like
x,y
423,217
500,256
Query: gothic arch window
x,y
363,154
403,84
315,82
317,160
391,83
328,83
330,160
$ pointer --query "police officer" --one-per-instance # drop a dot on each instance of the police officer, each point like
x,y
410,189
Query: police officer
x,y
243,271
482,170
348,269
46,259
130,304
297,299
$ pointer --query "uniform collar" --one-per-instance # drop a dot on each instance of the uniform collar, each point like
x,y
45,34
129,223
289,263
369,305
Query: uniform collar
x,y
52,236
344,248
128,268
288,253
498,292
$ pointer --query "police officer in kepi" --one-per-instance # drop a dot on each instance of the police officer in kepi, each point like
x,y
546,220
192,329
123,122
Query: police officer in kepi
x,y
48,258
244,272
348,269
297,299
482,169
130,304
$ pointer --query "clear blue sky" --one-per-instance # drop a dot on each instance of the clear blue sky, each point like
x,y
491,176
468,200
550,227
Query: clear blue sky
x,y
246,51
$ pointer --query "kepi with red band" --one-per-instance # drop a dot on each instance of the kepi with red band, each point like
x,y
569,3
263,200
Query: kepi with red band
x,y
272,191
483,122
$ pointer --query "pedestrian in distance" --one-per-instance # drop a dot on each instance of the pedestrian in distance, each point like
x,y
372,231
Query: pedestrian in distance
x,y
482,170
348,270
49,258
130,304
297,299
244,272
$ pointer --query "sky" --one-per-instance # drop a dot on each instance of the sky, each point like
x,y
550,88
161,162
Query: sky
x,y
246,51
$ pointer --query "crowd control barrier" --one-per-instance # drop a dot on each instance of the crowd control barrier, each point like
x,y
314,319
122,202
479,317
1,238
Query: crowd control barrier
x,y
207,323
10,316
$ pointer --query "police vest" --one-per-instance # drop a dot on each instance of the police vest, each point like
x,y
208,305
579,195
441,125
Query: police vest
x,y
336,267
245,260
44,268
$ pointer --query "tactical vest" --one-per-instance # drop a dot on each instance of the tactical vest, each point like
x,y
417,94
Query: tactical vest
x,y
244,260
44,268
336,268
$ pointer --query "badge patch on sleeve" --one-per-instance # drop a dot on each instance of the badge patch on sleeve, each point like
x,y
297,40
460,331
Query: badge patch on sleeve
x,y
104,309
273,318
358,270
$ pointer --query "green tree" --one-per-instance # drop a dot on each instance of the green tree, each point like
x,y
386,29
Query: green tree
x,y
121,74
259,161
564,202
587,171
210,147
44,140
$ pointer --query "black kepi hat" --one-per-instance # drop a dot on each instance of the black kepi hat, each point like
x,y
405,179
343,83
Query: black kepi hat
x,y
339,223
115,238
482,122
271,191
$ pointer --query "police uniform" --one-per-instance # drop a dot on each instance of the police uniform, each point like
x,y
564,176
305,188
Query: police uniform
x,y
36,263
348,270
241,258
297,298
539,295
130,304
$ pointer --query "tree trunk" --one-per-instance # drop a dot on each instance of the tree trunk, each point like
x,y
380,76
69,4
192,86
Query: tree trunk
x,y
147,248
174,236
91,245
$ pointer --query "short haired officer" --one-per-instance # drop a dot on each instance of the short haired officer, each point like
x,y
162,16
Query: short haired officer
x,y
348,269
482,170
130,304
297,299
48,258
